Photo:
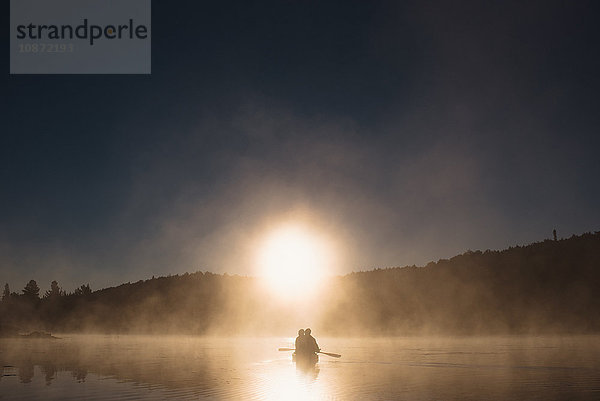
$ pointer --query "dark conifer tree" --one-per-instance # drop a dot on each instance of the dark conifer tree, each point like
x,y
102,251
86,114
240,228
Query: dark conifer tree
x,y
54,291
32,291
84,290
6,293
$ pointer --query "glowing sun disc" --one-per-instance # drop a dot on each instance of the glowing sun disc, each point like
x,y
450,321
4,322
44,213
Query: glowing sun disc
x,y
292,261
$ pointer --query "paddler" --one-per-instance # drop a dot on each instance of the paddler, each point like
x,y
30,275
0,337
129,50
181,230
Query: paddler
x,y
310,342
301,342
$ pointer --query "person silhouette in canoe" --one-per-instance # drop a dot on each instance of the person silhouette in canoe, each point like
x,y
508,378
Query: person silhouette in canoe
x,y
310,345
300,342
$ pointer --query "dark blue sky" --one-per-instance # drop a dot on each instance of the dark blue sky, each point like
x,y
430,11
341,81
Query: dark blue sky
x,y
407,131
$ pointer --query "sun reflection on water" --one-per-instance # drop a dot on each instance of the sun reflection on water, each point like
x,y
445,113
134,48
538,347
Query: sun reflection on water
x,y
295,383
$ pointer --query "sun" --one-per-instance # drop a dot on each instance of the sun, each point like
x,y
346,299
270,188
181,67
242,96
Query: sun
x,y
293,261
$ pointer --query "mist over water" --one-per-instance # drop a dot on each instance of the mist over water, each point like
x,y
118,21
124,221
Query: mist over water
x,y
516,324
186,367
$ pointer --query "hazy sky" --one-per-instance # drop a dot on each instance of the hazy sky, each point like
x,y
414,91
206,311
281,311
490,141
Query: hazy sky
x,y
404,131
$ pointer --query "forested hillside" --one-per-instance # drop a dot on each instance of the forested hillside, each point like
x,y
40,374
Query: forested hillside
x,y
546,287
551,286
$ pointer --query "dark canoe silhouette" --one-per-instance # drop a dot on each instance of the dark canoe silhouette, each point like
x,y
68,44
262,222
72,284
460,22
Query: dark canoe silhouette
x,y
308,358
319,352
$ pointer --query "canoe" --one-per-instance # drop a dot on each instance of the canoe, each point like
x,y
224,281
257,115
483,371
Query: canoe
x,y
311,358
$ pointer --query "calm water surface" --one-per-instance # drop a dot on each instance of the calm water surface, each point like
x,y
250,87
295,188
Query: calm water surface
x,y
139,367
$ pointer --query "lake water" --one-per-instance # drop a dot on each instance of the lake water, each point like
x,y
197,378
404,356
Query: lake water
x,y
156,368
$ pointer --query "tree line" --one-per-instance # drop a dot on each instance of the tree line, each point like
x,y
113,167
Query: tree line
x,y
545,287
30,311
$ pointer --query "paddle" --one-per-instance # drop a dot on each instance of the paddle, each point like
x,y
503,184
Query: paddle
x,y
330,354
318,352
